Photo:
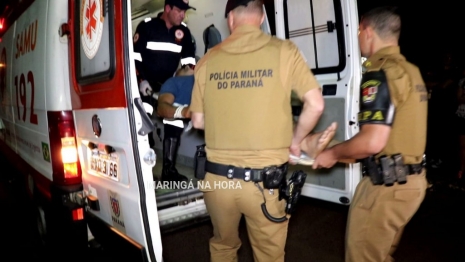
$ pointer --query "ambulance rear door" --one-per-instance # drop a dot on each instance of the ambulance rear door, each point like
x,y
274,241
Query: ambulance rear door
x,y
326,33
111,130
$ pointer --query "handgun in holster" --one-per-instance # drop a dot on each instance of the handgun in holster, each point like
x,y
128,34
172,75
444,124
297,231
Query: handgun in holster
x,y
401,170
273,176
388,171
291,190
200,160
371,168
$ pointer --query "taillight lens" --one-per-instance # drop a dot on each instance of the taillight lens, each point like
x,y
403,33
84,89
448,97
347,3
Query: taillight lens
x,y
78,214
69,157
65,160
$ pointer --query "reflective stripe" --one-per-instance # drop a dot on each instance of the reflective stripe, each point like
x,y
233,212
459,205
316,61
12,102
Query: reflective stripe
x,y
157,46
188,60
148,19
137,56
178,123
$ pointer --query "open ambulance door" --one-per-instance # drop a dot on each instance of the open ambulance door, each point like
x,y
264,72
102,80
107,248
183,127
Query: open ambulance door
x,y
326,33
111,131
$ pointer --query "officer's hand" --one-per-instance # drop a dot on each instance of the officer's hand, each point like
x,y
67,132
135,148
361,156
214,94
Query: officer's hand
x,y
145,88
294,150
325,159
186,112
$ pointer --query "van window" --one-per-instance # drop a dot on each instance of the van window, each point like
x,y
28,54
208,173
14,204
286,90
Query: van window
x,y
319,35
95,41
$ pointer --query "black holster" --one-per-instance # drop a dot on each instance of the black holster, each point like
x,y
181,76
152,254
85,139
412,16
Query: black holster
x,y
200,160
291,190
371,169
388,170
274,177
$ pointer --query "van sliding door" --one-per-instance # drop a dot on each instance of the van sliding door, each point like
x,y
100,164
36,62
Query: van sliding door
x,y
326,33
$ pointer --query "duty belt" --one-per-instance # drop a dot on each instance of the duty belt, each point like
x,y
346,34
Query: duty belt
x,y
415,169
246,174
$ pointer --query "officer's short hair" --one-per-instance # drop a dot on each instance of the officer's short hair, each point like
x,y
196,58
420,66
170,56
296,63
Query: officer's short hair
x,y
253,7
384,20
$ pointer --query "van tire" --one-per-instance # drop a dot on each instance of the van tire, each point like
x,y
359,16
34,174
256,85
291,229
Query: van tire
x,y
41,225
39,213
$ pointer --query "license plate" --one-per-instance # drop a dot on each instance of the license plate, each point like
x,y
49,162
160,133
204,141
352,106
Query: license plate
x,y
105,165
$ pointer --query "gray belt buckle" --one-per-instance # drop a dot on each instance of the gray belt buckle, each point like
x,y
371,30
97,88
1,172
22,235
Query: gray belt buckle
x,y
247,174
230,174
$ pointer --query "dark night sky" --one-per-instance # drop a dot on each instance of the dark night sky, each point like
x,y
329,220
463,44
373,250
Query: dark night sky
x,y
429,29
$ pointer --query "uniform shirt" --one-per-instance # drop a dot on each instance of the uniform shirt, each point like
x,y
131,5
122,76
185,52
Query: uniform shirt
x,y
410,98
243,87
159,50
180,87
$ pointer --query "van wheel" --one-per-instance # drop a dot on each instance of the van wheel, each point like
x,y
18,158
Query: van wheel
x,y
41,225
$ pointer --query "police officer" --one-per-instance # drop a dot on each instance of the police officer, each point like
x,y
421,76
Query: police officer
x,y
160,44
392,121
241,97
173,105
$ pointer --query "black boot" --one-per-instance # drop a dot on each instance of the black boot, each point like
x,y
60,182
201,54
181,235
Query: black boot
x,y
170,150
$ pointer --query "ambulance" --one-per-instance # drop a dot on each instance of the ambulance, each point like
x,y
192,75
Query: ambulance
x,y
73,123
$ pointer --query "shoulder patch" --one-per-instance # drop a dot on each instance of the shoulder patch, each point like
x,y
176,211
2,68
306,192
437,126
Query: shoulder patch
x,y
376,106
369,90
179,34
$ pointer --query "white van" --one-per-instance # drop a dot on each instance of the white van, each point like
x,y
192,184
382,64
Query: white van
x,y
72,121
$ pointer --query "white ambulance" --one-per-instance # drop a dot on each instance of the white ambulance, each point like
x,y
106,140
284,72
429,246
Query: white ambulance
x,y
72,121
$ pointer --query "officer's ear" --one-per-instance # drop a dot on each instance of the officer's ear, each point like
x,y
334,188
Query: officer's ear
x,y
262,19
369,32
168,8
230,20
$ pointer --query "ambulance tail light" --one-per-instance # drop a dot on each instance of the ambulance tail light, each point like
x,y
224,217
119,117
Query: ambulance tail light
x,y
78,214
63,149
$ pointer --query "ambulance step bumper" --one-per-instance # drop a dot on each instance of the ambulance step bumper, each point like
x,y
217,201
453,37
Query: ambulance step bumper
x,y
180,209
176,197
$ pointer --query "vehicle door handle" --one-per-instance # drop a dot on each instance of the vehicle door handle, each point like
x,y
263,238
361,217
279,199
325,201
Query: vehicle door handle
x,y
147,124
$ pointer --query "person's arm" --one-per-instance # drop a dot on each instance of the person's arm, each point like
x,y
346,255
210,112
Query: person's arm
x,y
371,139
304,84
311,113
188,49
166,109
140,48
198,120
197,99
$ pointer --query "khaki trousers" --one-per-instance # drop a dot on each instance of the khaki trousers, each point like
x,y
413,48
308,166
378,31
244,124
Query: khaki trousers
x,y
378,215
226,201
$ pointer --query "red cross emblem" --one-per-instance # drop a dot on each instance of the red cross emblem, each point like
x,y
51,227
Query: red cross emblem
x,y
90,16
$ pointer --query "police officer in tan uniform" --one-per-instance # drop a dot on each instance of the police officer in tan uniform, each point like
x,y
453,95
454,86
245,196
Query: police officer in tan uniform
x,y
392,121
241,97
